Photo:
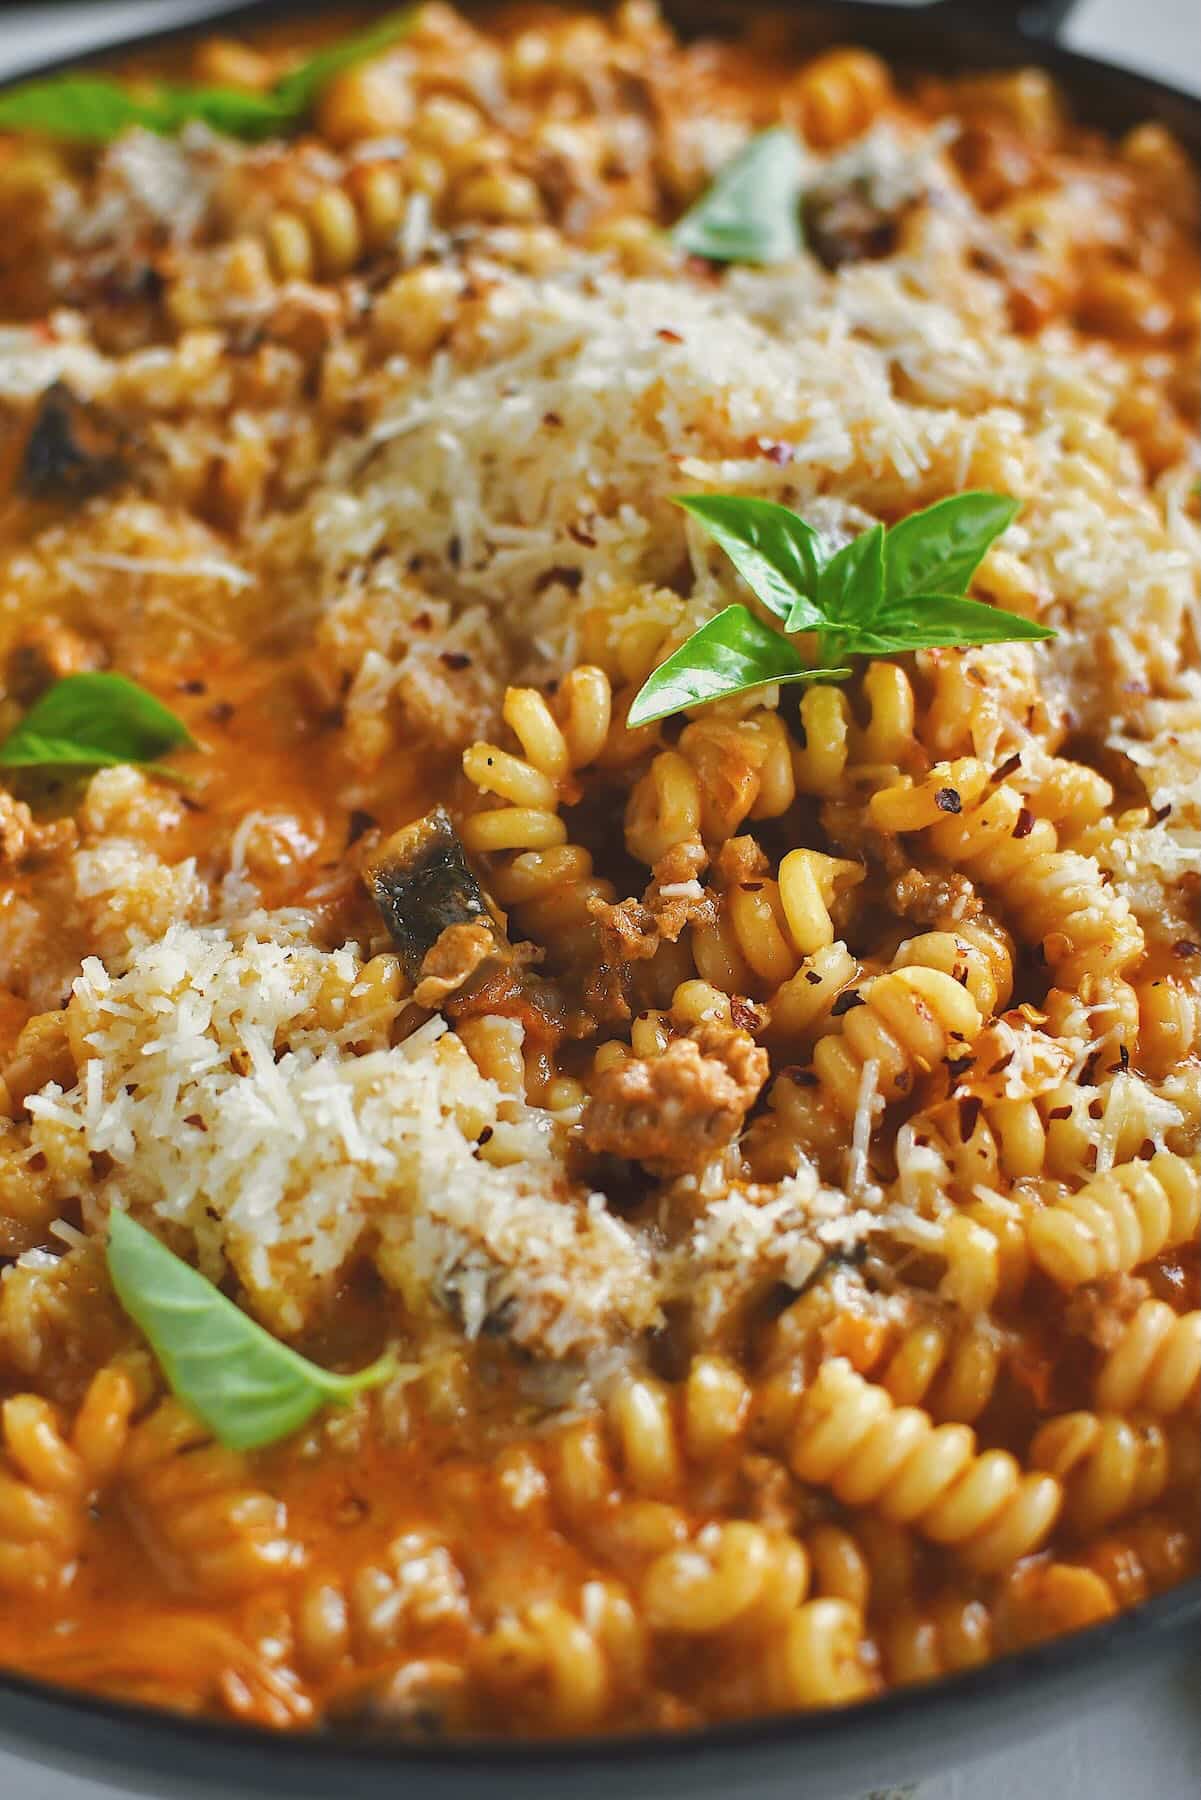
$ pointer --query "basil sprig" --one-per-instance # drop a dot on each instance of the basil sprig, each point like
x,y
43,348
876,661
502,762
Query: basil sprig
x,y
248,1388
733,652
93,720
752,212
885,592
93,109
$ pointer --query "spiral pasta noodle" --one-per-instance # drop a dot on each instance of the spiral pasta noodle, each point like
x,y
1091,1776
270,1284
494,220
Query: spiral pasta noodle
x,y
49,1477
223,1533
837,95
1155,1365
546,880
338,226
1055,896
719,773
1110,1465
951,1373
1118,1220
852,1437
910,1020
769,931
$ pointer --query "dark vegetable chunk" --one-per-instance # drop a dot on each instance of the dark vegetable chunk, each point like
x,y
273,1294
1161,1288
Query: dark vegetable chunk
x,y
849,226
423,887
72,450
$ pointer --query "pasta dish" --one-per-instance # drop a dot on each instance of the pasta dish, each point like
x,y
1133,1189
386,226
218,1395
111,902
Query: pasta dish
x,y
600,874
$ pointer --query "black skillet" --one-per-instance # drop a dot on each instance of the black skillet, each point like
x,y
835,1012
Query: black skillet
x,y
831,1756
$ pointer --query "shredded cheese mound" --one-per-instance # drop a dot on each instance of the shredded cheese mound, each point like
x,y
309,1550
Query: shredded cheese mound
x,y
219,1109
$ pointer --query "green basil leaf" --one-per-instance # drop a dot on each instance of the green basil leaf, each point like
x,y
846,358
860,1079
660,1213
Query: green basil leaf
x,y
90,109
732,653
248,1388
777,554
937,551
752,212
297,91
926,621
93,109
85,108
851,585
93,720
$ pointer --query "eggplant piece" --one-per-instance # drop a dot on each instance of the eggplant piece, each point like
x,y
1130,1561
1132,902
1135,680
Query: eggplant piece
x,y
849,226
427,894
72,451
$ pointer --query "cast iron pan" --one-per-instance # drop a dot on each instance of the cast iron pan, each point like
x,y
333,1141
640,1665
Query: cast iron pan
x,y
825,1756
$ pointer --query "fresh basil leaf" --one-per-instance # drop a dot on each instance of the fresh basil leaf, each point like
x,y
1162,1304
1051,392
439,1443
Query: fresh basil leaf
x,y
937,551
777,554
93,720
248,1388
732,653
850,586
297,91
90,109
752,212
926,621
84,108
93,109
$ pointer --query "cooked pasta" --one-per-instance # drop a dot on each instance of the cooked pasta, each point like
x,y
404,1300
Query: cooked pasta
x,y
720,1194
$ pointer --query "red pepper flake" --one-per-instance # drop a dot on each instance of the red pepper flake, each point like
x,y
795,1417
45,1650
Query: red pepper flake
x,y
1161,813
581,536
1186,947
847,1002
1024,823
947,800
454,659
801,1077
668,336
360,822
1001,1064
780,454
484,1136
745,1014
1096,1110
1059,1112
752,887
1146,1150
1090,1158
813,978
959,1065
552,419
1089,1069
970,1108
1009,767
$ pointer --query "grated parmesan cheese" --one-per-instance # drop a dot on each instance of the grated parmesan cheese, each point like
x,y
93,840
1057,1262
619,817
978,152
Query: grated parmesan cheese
x,y
222,1110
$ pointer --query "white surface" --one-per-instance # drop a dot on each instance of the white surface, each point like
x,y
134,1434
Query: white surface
x,y
1150,1744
